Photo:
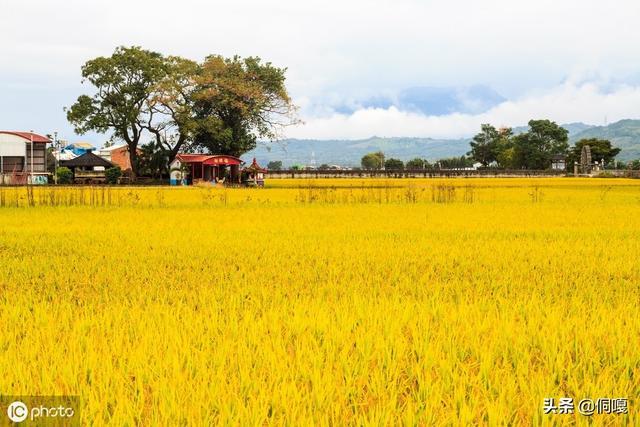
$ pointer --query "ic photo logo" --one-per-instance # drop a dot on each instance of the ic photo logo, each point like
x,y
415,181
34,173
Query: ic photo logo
x,y
41,410
17,411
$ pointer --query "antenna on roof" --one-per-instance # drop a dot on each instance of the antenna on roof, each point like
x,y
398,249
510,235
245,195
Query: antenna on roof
x,y
313,159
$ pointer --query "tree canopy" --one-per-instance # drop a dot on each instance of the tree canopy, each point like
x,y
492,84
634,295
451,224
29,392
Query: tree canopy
x,y
373,161
492,146
393,164
535,148
454,162
275,165
484,146
170,106
417,163
123,83
237,101
222,106
601,149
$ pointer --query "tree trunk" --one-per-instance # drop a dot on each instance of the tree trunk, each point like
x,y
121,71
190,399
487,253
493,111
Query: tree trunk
x,y
133,159
132,143
176,148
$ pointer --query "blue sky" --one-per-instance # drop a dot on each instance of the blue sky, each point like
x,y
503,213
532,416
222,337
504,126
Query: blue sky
x,y
355,68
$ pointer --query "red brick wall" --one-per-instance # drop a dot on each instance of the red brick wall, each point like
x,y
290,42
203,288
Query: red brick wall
x,y
120,157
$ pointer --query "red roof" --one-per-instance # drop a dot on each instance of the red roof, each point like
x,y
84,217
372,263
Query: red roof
x,y
192,158
28,135
255,167
209,159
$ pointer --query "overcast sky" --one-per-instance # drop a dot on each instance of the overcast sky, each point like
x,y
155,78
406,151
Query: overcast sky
x,y
565,60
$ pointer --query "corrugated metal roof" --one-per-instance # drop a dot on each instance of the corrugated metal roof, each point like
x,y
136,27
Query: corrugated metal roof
x,y
64,155
88,159
81,145
27,136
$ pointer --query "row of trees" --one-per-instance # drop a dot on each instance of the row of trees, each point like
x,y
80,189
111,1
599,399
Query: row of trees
x,y
501,148
377,161
455,162
222,105
535,148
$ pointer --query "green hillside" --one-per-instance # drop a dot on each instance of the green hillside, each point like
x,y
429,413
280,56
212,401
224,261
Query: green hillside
x,y
349,152
624,134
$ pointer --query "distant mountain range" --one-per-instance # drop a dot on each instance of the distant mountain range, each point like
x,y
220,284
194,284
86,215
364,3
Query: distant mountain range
x,y
624,134
349,152
433,101
573,128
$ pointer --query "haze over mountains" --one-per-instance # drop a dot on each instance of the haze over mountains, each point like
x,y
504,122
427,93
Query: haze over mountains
x,y
431,100
624,134
427,101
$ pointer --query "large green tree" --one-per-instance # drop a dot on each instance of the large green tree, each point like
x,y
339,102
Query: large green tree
x,y
123,84
373,161
600,149
534,149
393,164
223,105
454,162
238,101
417,163
505,152
171,118
484,146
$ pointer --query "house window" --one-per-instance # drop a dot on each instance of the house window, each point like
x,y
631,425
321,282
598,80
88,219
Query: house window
x,y
12,164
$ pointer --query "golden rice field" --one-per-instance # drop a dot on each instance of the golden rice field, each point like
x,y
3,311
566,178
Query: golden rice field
x,y
328,302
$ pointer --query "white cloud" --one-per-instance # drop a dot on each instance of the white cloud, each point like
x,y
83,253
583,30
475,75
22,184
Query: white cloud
x,y
567,103
349,45
335,50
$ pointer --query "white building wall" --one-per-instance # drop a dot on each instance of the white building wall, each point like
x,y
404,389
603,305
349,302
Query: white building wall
x,y
105,154
175,177
12,145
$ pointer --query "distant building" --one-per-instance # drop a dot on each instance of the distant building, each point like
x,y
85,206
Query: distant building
x,y
189,169
20,162
71,151
118,155
87,168
253,175
61,155
558,162
79,148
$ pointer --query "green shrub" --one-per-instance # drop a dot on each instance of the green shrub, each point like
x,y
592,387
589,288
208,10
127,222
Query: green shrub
x,y
112,175
64,175
605,174
393,164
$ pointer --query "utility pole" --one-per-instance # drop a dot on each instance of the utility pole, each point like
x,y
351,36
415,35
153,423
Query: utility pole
x,y
31,137
56,153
